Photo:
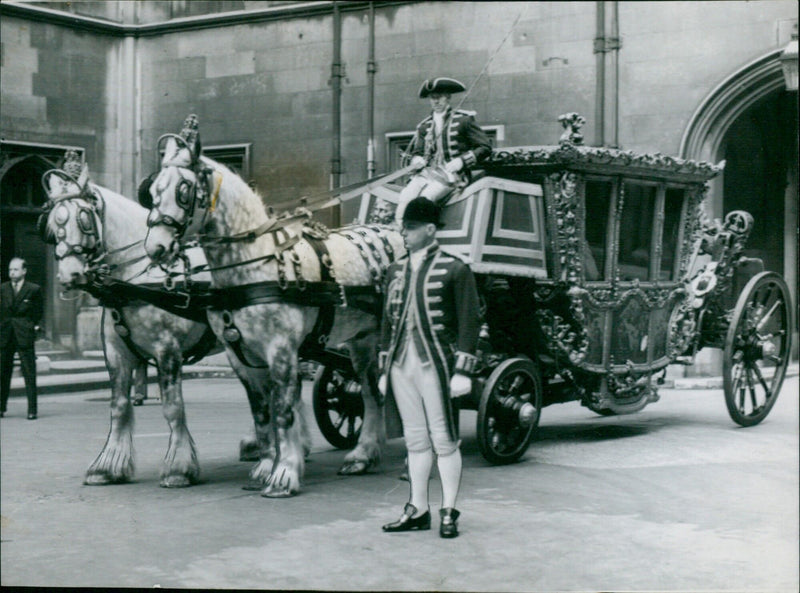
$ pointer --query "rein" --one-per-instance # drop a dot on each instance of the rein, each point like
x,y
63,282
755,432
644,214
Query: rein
x,y
192,300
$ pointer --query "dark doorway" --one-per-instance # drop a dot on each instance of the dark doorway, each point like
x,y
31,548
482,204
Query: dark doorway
x,y
21,200
758,149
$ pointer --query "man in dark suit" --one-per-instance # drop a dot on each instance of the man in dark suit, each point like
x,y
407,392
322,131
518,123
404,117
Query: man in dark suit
x,y
430,332
21,310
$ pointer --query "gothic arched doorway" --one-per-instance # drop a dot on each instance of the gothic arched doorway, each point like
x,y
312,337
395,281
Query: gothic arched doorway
x,y
750,121
21,200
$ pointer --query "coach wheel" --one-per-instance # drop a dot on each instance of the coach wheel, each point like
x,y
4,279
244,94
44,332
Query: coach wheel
x,y
509,410
338,406
757,348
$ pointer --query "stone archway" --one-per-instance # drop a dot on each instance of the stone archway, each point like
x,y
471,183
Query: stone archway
x,y
21,199
750,121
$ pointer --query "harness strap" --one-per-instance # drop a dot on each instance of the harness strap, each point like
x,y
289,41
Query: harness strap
x,y
197,352
124,332
201,348
189,305
317,339
272,225
315,294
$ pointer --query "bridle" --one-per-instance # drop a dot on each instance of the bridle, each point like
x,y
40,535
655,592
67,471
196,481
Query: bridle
x,y
90,219
190,196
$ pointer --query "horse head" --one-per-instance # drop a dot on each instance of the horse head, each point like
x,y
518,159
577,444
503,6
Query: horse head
x,y
72,220
180,194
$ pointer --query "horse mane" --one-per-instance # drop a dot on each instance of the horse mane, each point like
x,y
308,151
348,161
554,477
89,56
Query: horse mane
x,y
123,211
238,184
234,190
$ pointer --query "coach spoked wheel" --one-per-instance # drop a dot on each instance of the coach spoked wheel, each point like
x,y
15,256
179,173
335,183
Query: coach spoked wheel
x,y
757,348
338,406
508,411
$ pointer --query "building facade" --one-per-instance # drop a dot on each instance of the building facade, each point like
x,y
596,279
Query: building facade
x,y
302,96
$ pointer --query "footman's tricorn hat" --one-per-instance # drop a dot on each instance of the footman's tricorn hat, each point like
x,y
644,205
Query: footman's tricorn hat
x,y
440,85
422,210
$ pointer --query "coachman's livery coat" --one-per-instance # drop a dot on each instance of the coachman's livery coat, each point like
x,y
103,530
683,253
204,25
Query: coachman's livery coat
x,y
448,312
461,137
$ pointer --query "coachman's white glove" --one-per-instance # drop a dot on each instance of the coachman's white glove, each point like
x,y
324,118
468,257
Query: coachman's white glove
x,y
460,385
418,163
455,165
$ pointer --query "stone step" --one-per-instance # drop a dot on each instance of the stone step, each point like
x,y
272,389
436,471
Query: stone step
x,y
77,366
54,353
91,378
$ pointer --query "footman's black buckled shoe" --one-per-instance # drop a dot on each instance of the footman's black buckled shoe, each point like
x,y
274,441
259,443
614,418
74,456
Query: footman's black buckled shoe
x,y
449,525
407,522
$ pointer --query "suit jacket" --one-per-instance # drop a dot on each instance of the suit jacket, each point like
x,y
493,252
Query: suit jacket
x,y
461,137
447,309
20,313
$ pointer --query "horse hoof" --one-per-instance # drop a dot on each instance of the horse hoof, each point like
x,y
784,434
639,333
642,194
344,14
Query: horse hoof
x,y
104,480
354,468
278,492
175,482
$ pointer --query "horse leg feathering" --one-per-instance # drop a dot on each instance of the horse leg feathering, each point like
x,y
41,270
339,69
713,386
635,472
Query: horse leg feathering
x,y
180,467
114,464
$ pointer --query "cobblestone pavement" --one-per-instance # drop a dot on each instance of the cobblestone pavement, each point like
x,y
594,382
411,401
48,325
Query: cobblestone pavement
x,y
674,498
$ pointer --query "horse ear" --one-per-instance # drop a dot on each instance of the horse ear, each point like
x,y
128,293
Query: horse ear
x,y
175,154
42,228
49,182
143,193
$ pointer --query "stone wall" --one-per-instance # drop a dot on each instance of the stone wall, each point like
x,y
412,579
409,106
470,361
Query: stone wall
x,y
268,83
58,87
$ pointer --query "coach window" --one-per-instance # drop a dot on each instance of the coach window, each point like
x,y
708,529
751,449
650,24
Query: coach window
x,y
599,197
673,203
636,231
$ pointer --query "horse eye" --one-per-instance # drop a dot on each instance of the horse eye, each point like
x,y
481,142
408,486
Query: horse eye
x,y
62,214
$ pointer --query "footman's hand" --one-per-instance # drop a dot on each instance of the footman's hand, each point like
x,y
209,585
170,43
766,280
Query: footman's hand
x,y
382,382
460,385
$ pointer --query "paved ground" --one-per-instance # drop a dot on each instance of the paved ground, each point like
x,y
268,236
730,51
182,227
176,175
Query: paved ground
x,y
676,497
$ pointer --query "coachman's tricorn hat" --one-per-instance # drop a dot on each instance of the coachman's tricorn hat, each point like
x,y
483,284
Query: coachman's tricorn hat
x,y
440,85
422,210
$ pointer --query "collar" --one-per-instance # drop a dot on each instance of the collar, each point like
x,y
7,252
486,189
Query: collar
x,y
429,250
